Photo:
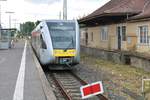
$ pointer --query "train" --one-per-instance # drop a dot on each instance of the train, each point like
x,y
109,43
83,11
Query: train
x,y
57,43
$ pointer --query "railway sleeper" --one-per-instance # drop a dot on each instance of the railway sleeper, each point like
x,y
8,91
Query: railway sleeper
x,y
72,87
72,91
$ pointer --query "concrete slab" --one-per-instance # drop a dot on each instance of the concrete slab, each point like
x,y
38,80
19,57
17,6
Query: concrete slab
x,y
33,87
10,61
9,68
46,86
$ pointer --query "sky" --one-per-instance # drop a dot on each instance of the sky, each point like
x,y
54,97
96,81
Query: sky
x,y
33,10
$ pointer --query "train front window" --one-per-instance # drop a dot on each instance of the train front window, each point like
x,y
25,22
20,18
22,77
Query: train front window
x,y
62,34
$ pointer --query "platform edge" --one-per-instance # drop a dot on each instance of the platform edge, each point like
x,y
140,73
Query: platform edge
x,y
45,84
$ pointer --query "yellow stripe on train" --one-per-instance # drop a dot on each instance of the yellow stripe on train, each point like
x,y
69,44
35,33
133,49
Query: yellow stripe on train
x,y
67,53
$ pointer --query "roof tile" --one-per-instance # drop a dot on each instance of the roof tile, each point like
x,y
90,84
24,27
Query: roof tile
x,y
123,6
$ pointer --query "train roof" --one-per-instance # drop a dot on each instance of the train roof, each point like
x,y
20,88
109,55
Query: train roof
x,y
58,20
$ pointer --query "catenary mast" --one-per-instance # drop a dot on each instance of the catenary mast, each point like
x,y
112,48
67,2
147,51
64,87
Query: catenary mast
x,y
64,9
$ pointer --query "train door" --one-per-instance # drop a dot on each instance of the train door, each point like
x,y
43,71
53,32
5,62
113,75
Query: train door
x,y
38,42
42,44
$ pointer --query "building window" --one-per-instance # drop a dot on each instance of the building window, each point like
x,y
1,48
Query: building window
x,y
92,36
104,33
143,34
123,33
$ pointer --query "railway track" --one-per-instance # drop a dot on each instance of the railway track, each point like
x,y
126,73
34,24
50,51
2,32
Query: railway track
x,y
68,84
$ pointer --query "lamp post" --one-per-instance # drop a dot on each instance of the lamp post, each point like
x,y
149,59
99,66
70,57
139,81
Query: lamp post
x,y
0,19
9,12
15,20
0,12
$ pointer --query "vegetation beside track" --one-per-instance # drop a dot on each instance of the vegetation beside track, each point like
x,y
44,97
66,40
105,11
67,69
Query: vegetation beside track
x,y
121,75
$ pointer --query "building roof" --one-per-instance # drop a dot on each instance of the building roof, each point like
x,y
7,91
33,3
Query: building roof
x,y
145,12
114,8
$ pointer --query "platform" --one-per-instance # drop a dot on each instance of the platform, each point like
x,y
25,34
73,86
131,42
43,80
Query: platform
x,y
19,77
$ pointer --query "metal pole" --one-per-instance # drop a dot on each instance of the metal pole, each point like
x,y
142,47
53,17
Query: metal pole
x,y
0,24
65,9
10,21
0,16
0,13
60,15
15,23
10,17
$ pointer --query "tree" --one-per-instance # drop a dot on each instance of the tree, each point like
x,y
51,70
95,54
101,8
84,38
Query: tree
x,y
37,23
27,27
18,34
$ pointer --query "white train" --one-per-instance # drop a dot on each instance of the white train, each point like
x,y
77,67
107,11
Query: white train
x,y
57,42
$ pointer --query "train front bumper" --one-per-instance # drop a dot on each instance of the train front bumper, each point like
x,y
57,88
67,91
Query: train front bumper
x,y
64,56
62,60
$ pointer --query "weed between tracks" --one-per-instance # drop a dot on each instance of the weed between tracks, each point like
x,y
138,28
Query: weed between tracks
x,y
121,75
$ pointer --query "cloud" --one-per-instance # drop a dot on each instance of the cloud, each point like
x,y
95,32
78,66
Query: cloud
x,y
83,7
42,1
32,10
43,11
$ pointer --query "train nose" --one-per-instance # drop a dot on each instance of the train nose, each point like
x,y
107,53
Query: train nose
x,y
63,60
66,60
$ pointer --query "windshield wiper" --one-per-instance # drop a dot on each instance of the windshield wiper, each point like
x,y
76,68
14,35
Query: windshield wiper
x,y
69,45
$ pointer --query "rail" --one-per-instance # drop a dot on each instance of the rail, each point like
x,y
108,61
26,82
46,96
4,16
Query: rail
x,y
64,91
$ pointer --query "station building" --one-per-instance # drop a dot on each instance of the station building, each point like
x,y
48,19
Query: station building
x,y
118,25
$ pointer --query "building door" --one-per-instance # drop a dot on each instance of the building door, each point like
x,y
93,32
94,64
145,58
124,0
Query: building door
x,y
119,37
121,34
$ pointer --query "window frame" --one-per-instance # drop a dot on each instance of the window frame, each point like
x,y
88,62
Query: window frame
x,y
145,30
92,37
104,36
123,36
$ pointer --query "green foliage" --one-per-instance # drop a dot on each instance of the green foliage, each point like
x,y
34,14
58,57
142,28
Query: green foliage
x,y
27,27
19,34
37,22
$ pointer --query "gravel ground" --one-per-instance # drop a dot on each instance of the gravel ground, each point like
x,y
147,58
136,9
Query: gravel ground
x,y
116,78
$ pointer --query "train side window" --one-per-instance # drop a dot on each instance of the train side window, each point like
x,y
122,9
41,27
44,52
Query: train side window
x,y
43,44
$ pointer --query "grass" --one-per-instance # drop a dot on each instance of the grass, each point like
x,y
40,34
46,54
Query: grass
x,y
123,75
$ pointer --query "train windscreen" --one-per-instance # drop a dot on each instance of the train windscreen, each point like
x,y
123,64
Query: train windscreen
x,y
62,34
